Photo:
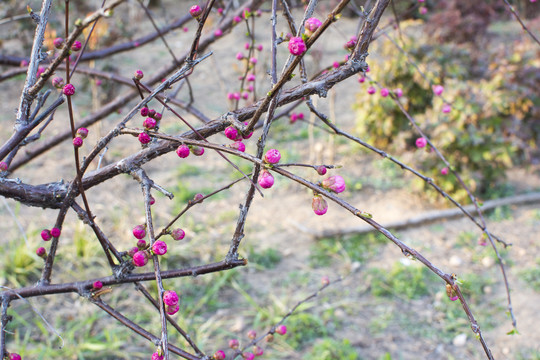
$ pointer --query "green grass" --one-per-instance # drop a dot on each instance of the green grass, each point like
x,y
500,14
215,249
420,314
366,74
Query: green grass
x,y
354,248
267,259
330,349
531,276
411,282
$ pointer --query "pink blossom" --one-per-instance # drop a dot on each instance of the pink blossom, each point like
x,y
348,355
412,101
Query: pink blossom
x,y
311,25
144,138
444,171
438,89
272,156
197,150
218,32
140,258
219,355
82,132
46,235
3,166
170,297
41,252
178,234
321,170
58,42
231,133
182,151
239,56
319,205
58,82
171,310
384,92
250,77
371,90
253,60
195,11
446,108
156,356
139,231
55,232
421,142
234,344
266,180
361,79
77,142
238,145
159,247
69,90
258,351
398,92
149,123
297,46
281,329
334,183
248,356
423,10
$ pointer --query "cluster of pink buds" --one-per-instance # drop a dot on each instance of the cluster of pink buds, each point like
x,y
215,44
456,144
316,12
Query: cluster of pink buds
x,y
47,234
171,300
294,117
82,133
152,118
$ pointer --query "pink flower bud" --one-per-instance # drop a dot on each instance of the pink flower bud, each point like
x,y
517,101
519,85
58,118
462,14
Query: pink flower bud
x,y
334,183
144,138
197,150
220,11
55,232
46,235
293,118
252,334
219,355
236,96
361,79
444,171
69,90
171,310
131,252
76,45
97,285
77,142
253,60
398,92
159,248
247,46
138,74
58,42
157,116
218,33
24,63
239,56
231,133
297,46
272,156
325,280
319,205
14,356
266,180
141,244
178,234
260,47
321,170
156,356
423,10
82,132
421,142
3,166
245,96
140,258
182,151
258,351
311,25
237,19
446,108
195,11
149,123
144,111
371,90
58,82
170,297
454,298
438,90
250,77
247,136
152,200
41,252
151,113
335,64
234,344
384,92
139,231
238,145
198,197
248,356
349,45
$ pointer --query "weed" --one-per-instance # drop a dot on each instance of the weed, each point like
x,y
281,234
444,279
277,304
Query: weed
x,y
330,349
